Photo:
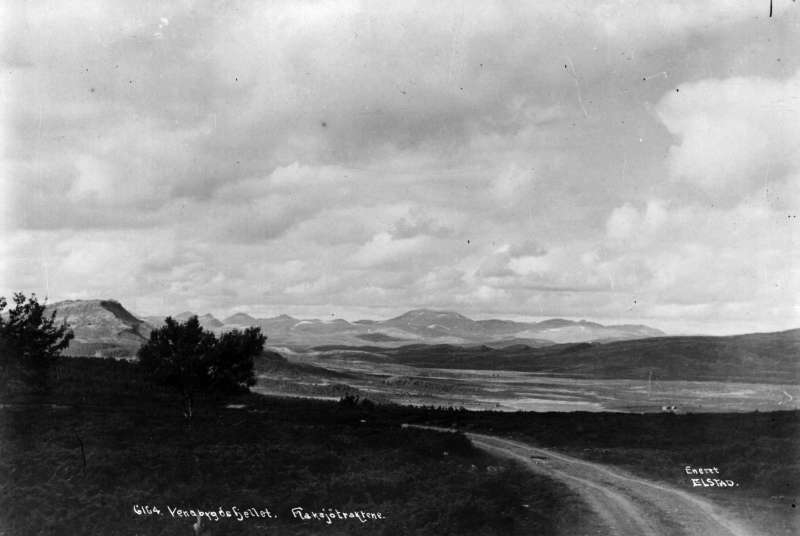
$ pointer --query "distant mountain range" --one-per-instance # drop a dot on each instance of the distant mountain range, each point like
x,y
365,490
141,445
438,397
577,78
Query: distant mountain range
x,y
441,339
105,327
207,321
425,326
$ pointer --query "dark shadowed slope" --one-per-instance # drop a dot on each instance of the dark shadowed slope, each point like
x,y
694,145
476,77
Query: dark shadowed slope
x,y
758,357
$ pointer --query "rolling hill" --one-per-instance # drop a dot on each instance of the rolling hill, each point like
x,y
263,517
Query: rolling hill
x,y
103,328
240,319
756,357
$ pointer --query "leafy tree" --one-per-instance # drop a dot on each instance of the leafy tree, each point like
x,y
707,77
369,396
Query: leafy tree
x,y
231,362
193,361
30,340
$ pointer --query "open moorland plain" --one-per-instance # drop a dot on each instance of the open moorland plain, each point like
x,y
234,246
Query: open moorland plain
x,y
647,435
756,372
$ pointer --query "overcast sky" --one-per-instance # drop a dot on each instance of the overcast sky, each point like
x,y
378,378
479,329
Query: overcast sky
x,y
617,161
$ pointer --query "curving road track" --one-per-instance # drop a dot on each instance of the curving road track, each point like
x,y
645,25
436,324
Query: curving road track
x,y
627,505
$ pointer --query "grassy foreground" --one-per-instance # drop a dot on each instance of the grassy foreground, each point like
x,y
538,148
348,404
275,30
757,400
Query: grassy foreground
x,y
273,454
282,453
757,451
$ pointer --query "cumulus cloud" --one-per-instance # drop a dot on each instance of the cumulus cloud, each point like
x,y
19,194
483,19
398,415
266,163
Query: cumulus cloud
x,y
718,257
733,134
679,18
494,157
495,265
626,223
513,183
384,249
418,223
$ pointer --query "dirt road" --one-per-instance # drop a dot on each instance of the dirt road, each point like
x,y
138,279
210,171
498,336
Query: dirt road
x,y
628,505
